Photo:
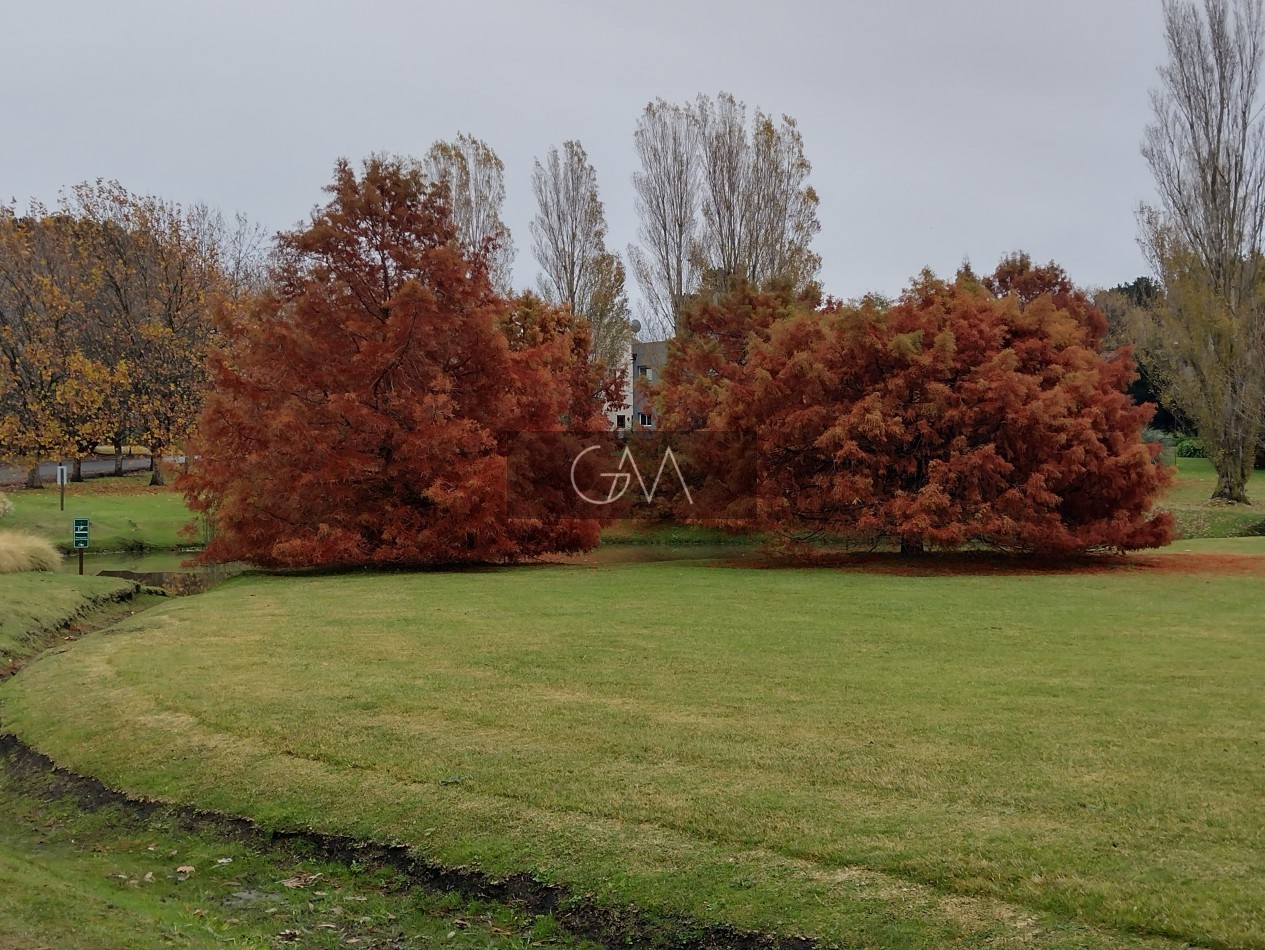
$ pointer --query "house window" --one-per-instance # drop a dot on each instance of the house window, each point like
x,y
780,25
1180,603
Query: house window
x,y
621,422
646,373
643,418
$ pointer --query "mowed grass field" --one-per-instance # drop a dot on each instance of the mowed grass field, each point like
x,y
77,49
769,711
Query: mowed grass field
x,y
1071,759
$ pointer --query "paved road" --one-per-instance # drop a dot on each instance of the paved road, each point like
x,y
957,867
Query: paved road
x,y
11,475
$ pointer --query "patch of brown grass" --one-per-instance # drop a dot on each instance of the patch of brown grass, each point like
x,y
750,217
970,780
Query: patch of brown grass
x,y
1251,565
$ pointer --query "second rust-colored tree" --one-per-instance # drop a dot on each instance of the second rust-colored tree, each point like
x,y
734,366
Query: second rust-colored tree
x,y
971,413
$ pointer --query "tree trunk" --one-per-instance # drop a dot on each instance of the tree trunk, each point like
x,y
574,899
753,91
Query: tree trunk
x,y
33,477
118,456
76,471
911,547
156,480
1231,487
1234,466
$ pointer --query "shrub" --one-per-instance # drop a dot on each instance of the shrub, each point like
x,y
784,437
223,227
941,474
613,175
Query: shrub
x,y
24,552
1190,447
5,505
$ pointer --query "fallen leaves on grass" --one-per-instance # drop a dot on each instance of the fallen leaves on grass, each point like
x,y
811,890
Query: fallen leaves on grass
x,y
302,879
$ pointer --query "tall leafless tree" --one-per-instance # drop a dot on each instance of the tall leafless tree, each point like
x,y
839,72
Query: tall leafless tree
x,y
1204,341
474,178
720,198
569,241
668,198
759,212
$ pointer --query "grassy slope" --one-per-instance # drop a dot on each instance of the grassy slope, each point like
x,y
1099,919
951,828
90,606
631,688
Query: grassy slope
x,y
74,879
125,513
904,761
35,603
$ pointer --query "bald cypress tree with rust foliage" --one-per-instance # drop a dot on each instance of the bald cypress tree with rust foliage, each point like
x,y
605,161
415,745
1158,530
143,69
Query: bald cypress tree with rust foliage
x,y
970,413
356,405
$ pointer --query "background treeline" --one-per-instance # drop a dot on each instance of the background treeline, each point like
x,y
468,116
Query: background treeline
x,y
105,319
107,302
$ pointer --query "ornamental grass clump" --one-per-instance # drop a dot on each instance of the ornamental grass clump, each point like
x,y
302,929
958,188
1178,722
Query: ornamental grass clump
x,y
21,552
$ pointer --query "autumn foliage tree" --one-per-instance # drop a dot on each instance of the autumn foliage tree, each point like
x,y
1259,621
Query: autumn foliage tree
x,y
356,404
53,382
105,321
159,269
976,412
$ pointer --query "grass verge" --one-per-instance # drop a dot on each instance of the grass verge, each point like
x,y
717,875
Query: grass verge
x,y
82,867
1051,759
125,514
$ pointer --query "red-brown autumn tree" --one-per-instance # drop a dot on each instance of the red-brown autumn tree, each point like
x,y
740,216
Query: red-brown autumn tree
x,y
966,413
707,380
356,405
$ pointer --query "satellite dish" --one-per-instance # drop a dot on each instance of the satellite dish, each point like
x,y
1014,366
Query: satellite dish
x,y
636,326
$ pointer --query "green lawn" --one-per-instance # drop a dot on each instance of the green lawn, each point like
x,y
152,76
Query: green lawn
x,y
1198,517
125,514
1052,759
76,878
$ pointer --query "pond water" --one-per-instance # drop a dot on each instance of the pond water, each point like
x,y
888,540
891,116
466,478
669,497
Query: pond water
x,y
158,561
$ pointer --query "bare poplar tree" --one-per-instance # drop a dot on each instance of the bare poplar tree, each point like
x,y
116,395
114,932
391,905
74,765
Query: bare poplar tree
x,y
668,196
725,242
569,241
474,178
781,207
739,206
1204,341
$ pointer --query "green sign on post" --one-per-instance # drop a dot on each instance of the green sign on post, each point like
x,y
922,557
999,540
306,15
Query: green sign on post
x,y
81,539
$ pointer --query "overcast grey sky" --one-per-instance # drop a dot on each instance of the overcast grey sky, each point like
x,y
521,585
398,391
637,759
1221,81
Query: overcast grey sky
x,y
938,131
